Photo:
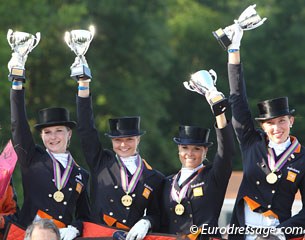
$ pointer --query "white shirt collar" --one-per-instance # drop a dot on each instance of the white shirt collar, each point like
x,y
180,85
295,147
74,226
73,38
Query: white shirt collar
x,y
130,163
62,158
187,172
279,147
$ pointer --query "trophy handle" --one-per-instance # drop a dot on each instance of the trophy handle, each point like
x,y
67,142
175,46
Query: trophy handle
x,y
192,87
37,39
188,86
92,31
9,36
68,40
248,12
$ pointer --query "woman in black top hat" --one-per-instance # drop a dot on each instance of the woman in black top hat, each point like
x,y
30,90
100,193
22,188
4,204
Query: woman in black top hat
x,y
192,199
54,185
273,160
125,189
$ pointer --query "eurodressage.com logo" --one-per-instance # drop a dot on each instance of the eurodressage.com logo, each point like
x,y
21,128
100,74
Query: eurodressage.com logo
x,y
248,230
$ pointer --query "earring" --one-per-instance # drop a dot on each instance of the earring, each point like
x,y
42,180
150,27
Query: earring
x,y
290,126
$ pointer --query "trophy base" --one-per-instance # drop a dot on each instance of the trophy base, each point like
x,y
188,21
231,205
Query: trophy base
x,y
17,73
222,38
80,72
219,105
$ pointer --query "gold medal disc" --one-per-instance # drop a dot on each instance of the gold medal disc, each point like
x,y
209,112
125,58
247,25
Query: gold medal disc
x,y
271,178
179,209
58,196
126,200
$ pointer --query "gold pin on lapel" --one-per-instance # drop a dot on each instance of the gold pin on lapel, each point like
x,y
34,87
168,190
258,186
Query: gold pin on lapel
x,y
291,176
198,191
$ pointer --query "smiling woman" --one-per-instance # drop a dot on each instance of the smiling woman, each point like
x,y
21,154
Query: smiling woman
x,y
125,146
132,186
56,138
278,129
273,161
191,155
193,197
54,185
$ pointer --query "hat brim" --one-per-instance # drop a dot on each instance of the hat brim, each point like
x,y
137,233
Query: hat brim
x,y
260,119
125,135
70,124
187,142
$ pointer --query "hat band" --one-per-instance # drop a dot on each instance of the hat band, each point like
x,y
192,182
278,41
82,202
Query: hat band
x,y
190,141
275,114
118,133
70,124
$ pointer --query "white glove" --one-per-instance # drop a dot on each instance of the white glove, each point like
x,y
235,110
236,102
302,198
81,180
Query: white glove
x,y
68,233
17,61
139,230
235,33
275,234
279,234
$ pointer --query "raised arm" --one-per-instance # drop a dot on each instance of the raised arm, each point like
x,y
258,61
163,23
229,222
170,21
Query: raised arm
x,y
91,144
222,162
203,82
21,134
242,120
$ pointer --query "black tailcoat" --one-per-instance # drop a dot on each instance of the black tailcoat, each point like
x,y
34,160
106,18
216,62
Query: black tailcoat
x,y
277,197
106,192
38,178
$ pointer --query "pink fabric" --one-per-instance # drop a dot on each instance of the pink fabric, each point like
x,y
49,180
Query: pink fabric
x,y
8,159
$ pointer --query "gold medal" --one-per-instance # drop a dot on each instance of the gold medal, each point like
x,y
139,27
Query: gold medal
x,y
58,196
179,209
126,200
271,178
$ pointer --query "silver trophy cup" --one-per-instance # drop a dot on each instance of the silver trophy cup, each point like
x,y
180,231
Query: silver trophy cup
x,y
204,83
22,44
248,20
79,42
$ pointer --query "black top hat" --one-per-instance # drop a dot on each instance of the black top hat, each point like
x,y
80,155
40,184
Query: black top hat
x,y
124,127
54,117
273,108
192,135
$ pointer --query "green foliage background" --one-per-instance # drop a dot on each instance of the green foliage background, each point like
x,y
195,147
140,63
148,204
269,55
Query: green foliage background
x,y
140,56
